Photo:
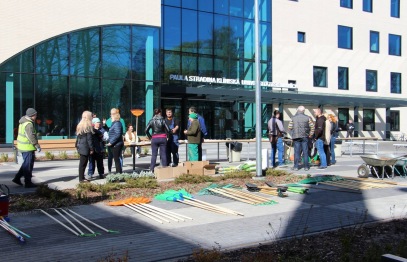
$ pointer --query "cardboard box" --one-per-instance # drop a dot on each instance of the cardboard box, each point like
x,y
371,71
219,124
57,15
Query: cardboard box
x,y
163,172
196,171
179,170
209,170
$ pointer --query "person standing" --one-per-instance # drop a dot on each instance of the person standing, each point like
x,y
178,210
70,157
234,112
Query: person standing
x,y
334,135
327,139
99,137
320,137
27,144
276,133
116,139
172,143
302,129
194,135
202,127
160,131
84,143
350,127
106,125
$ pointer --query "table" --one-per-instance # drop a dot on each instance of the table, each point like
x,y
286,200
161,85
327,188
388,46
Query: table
x,y
143,143
361,141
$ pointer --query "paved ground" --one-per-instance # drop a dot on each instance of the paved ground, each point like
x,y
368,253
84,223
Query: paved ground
x,y
146,240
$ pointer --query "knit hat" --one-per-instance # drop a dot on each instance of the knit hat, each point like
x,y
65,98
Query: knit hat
x,y
95,120
30,112
193,116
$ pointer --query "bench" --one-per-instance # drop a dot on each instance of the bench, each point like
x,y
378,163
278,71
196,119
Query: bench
x,y
55,144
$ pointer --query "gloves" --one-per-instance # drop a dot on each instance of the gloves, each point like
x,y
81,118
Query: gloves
x,y
38,149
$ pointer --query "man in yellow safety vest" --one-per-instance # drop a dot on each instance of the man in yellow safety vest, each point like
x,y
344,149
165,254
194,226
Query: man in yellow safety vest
x,y
27,144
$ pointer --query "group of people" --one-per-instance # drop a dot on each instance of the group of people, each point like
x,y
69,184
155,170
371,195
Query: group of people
x,y
164,134
306,134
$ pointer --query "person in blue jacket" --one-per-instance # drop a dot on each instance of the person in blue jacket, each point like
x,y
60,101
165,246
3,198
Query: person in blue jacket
x,y
116,139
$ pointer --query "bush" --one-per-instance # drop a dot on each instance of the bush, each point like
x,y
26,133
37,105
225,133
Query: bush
x,y
49,155
63,155
4,157
194,179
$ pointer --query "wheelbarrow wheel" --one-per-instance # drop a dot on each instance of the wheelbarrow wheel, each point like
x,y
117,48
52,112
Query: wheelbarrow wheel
x,y
363,171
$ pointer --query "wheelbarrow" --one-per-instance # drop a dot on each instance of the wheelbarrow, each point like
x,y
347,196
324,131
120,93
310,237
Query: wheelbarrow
x,y
376,164
400,167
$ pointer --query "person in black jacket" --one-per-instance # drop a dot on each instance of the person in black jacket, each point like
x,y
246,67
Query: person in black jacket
x,y
320,137
350,127
160,131
84,144
99,137
116,139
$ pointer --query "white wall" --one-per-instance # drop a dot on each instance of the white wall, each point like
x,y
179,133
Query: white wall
x,y
26,23
319,19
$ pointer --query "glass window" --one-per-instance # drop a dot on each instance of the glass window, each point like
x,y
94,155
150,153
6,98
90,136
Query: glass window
x,y
205,22
172,30
52,56
345,37
236,26
394,45
346,3
249,9
52,103
236,8
248,39
343,117
85,53
368,6
301,37
265,41
145,53
116,51
394,120
205,5
320,76
395,8
205,66
343,78
369,120
191,4
189,31
21,63
172,2
395,82
222,7
374,42
189,64
172,64
265,10
371,80
221,37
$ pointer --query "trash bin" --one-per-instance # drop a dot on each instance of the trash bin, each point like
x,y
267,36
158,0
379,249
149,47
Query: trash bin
x,y
236,149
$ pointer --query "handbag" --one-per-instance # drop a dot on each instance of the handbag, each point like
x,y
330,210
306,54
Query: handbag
x,y
273,138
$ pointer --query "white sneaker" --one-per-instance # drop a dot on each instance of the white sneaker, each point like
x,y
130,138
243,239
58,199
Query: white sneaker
x,y
137,155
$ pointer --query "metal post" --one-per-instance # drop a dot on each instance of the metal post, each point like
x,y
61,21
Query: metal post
x,y
258,91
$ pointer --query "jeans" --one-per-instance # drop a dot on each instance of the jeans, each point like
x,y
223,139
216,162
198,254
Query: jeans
x,y
301,146
26,169
320,147
333,139
279,146
96,158
160,142
110,159
172,149
117,156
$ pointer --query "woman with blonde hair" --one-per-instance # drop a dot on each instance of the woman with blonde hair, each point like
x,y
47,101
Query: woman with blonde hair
x,y
116,139
84,144
334,135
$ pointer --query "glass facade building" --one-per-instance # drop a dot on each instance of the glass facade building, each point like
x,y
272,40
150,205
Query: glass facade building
x,y
94,69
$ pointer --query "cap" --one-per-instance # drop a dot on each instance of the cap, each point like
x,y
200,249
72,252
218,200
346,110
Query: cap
x,y
95,120
30,112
